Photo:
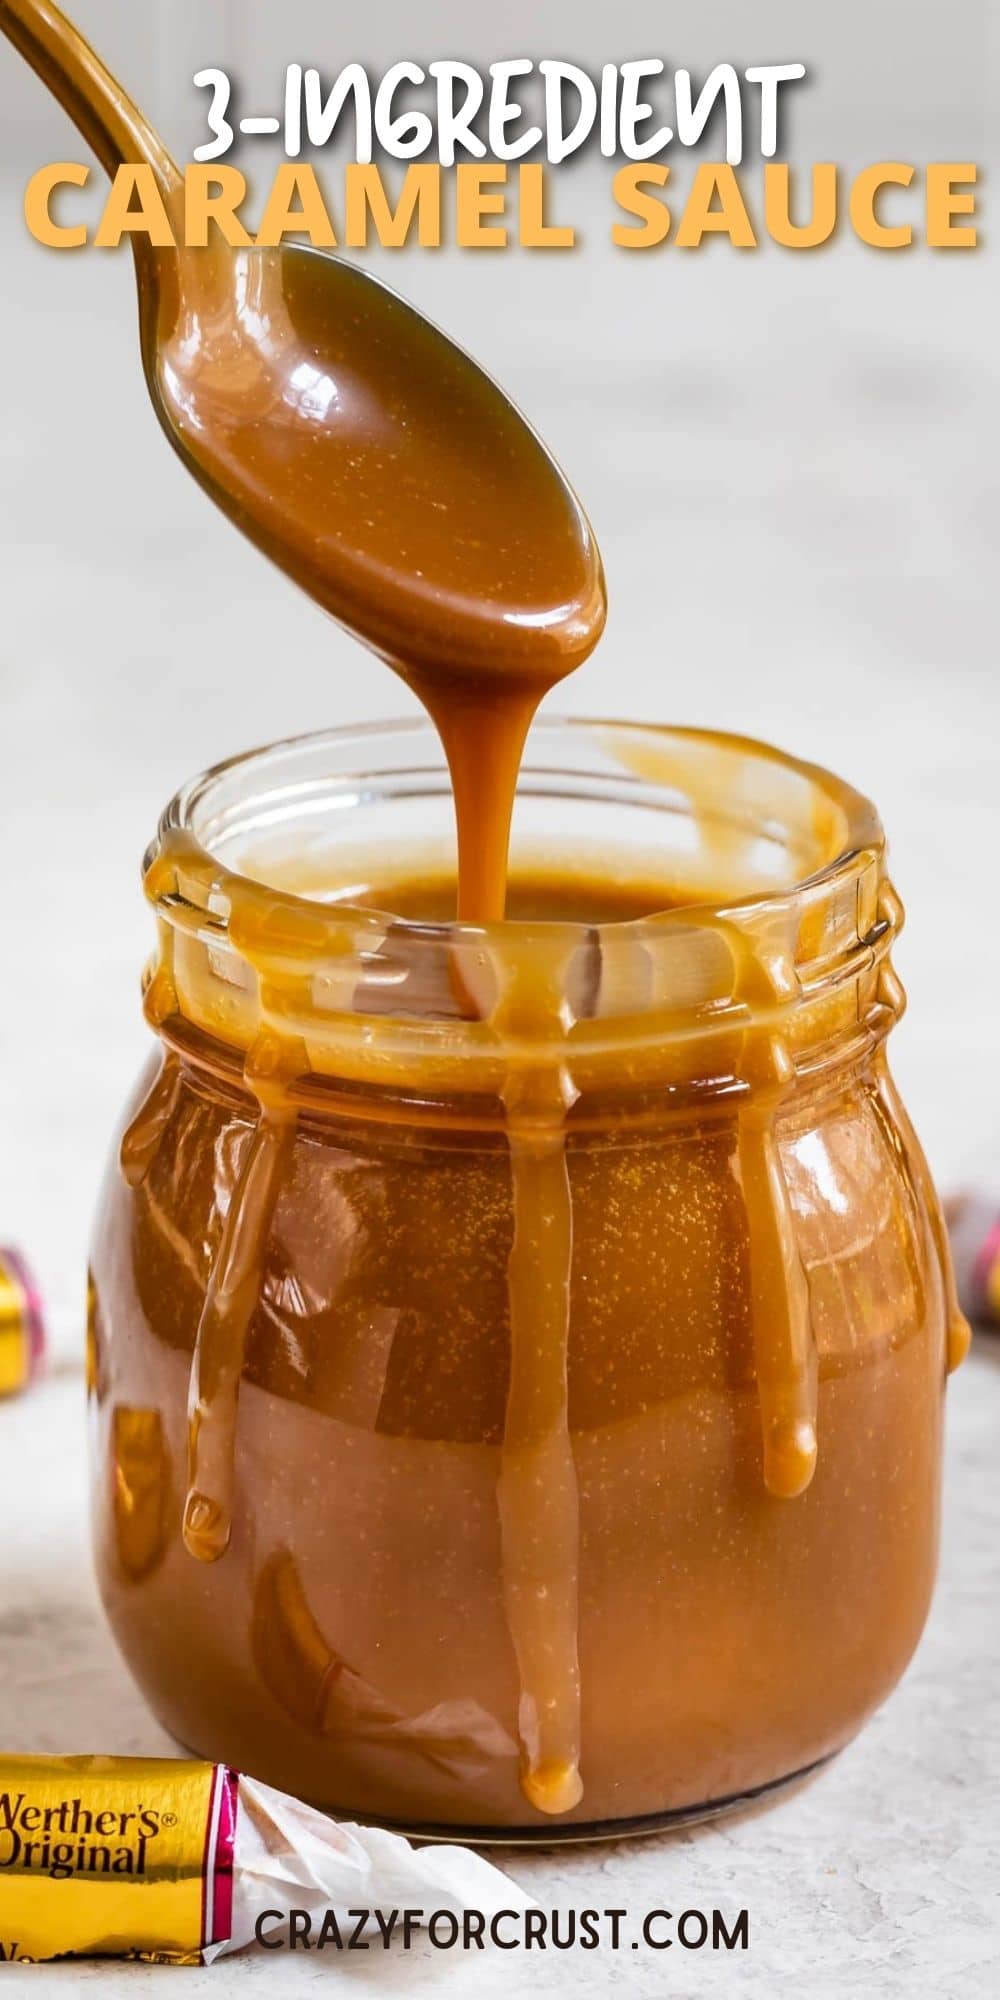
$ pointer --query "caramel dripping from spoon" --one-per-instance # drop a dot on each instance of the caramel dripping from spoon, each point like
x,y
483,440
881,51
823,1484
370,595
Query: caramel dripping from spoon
x,y
483,740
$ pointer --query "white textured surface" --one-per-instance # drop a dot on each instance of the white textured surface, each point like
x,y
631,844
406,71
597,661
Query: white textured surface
x,y
878,1878
792,474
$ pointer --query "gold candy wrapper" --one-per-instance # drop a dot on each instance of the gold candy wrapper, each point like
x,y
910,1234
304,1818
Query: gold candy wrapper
x,y
22,1327
175,1862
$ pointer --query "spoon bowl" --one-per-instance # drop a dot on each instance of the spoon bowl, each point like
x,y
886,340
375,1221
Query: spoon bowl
x,y
377,464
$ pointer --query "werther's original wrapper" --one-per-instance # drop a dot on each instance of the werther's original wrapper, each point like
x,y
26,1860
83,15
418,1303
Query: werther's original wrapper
x,y
175,1862
22,1328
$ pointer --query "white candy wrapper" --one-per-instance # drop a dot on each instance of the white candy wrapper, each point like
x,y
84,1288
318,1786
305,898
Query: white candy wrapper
x,y
290,1857
181,1862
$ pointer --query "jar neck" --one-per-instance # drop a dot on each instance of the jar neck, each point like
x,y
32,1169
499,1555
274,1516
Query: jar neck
x,y
755,978
692,1007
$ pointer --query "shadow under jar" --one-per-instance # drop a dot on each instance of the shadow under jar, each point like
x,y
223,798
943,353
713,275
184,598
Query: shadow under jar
x,y
518,1352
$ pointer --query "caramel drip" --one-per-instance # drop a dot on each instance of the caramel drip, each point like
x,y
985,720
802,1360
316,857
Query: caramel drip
x,y
141,1142
217,1363
784,1348
483,739
257,927
539,1509
763,980
958,1333
537,1489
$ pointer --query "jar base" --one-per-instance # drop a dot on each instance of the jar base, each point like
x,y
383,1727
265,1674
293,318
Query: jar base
x,y
639,1828
643,1826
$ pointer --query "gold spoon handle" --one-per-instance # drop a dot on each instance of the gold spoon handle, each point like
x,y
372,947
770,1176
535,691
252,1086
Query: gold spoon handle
x,y
111,124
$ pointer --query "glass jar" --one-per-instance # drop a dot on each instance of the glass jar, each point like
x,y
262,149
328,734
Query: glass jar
x,y
520,1416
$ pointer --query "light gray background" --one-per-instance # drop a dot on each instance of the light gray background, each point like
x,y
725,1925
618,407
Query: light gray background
x,y
791,464
898,79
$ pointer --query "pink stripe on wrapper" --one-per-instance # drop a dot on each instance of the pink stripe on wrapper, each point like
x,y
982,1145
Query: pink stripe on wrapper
x,y
986,1262
217,1869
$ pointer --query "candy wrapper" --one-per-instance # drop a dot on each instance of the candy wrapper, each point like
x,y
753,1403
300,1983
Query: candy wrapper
x,y
974,1228
178,1863
22,1327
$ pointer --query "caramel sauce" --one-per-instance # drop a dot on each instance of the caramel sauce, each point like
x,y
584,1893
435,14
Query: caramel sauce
x,y
380,468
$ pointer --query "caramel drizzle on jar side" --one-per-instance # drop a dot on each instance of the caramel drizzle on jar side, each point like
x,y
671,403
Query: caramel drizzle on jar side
x,y
958,1333
141,1142
217,1365
233,1288
537,1489
784,1347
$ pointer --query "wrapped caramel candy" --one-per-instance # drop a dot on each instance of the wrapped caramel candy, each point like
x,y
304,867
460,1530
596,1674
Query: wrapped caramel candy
x,y
22,1327
178,1862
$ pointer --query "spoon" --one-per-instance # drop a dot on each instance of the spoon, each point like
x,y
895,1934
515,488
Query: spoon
x,y
362,451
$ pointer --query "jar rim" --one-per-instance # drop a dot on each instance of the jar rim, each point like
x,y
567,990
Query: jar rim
x,y
358,991
862,829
